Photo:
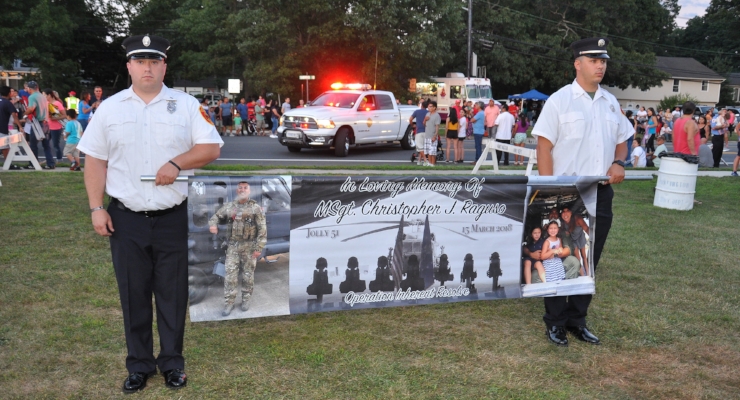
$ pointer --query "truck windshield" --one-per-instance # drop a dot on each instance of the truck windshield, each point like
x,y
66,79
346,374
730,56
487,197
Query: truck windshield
x,y
472,92
485,92
333,99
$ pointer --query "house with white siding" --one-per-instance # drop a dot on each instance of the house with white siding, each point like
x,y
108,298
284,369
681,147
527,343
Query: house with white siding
x,y
688,76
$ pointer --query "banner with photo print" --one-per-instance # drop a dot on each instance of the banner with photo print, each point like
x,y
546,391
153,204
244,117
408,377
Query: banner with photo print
x,y
344,243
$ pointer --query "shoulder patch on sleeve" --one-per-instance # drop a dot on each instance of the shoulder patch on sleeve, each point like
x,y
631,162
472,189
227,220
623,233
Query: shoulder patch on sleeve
x,y
205,116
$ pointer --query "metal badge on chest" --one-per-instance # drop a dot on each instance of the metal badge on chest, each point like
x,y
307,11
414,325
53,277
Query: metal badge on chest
x,y
171,106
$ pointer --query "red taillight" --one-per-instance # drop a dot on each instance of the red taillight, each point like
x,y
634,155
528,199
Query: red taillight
x,y
304,126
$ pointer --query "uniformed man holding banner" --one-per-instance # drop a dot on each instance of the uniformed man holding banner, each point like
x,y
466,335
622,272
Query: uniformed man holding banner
x,y
148,129
582,132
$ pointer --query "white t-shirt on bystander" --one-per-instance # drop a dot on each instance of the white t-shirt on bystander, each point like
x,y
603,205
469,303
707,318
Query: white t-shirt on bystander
x,y
505,122
462,130
638,157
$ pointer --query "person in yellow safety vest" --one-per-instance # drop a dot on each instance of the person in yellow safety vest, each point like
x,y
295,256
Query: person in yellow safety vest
x,y
72,102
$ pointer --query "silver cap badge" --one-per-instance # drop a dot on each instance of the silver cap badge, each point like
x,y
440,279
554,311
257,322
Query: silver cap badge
x,y
602,43
146,41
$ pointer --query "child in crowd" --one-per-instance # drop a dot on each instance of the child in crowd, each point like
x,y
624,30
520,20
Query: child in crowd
x,y
534,244
551,249
638,157
666,132
72,135
237,124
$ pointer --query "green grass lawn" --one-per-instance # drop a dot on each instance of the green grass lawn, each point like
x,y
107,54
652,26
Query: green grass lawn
x,y
667,309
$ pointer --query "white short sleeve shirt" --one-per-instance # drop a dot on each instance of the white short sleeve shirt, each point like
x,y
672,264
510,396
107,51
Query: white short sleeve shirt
x,y
138,139
505,122
638,158
584,132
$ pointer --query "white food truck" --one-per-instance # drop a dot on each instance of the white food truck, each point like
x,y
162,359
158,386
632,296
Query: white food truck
x,y
452,87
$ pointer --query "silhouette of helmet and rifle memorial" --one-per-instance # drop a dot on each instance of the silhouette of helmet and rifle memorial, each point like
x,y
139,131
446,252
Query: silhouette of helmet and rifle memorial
x,y
382,280
443,274
352,282
413,279
320,285
468,273
494,269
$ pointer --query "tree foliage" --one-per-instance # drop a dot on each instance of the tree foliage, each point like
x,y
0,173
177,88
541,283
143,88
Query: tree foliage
x,y
270,43
714,40
523,44
670,102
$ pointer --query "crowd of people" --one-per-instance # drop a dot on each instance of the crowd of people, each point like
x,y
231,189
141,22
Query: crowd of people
x,y
506,124
62,122
48,120
256,117
706,135
466,120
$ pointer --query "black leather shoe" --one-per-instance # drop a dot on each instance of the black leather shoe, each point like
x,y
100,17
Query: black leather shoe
x,y
175,378
556,334
136,382
583,334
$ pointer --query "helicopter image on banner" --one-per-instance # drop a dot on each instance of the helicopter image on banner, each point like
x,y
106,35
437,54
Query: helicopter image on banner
x,y
415,252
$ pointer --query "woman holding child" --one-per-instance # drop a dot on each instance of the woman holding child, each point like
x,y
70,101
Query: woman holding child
x,y
577,228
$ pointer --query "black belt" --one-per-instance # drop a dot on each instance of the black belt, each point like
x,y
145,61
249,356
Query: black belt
x,y
156,213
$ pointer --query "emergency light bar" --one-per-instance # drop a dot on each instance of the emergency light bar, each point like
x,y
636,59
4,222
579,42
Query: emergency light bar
x,y
350,86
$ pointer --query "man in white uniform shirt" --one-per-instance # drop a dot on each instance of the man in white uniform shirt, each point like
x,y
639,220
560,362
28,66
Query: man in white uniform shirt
x,y
505,122
582,132
148,129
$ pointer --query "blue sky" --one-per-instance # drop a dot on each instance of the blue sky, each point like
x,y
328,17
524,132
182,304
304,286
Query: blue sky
x,y
690,9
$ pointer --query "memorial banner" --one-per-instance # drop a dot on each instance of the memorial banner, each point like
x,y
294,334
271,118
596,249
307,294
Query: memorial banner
x,y
277,245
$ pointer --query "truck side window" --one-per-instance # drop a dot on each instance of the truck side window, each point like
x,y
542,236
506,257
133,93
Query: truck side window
x,y
384,102
455,92
368,103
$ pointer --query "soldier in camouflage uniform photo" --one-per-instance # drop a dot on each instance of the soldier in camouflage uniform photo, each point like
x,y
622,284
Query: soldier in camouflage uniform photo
x,y
247,238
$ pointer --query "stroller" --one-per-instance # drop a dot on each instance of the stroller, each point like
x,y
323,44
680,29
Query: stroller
x,y
440,151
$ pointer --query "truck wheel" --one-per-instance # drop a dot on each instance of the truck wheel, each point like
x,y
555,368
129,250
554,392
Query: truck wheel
x,y
407,142
197,285
341,143
293,149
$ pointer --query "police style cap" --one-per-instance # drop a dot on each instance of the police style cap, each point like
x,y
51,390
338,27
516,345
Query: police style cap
x,y
146,47
591,47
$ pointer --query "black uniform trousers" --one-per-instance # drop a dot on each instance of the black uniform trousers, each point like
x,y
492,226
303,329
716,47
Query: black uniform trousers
x,y
718,144
499,153
572,310
150,256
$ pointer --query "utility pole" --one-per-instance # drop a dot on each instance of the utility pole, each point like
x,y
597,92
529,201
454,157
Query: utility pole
x,y
470,34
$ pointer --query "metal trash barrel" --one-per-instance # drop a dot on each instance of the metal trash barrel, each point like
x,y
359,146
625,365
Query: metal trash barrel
x,y
676,182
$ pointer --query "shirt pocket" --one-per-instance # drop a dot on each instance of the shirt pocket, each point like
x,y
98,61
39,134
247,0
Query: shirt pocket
x,y
572,125
612,128
171,131
122,128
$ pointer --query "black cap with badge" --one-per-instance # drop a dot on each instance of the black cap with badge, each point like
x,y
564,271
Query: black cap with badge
x,y
147,47
591,47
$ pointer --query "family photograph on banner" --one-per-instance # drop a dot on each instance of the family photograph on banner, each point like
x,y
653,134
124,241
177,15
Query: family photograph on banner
x,y
278,245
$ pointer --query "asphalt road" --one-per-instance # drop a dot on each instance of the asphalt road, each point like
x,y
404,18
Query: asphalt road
x,y
261,150
264,151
